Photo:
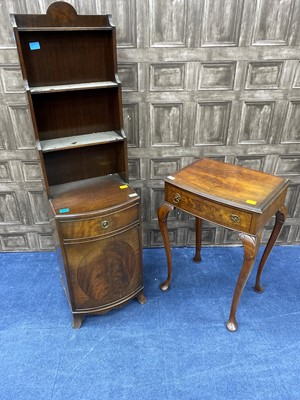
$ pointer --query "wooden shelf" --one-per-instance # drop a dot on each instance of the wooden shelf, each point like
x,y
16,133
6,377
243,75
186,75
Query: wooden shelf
x,y
69,142
63,28
72,87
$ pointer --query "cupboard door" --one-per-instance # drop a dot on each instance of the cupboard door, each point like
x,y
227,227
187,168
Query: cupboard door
x,y
104,273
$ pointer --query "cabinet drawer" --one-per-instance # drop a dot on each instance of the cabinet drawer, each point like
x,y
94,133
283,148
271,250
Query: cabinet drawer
x,y
211,211
92,227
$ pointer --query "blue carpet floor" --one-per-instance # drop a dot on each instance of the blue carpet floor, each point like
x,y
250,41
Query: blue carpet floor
x,y
174,347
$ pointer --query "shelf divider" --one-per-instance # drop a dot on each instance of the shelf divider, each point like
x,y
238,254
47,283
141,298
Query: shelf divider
x,y
63,28
69,142
72,87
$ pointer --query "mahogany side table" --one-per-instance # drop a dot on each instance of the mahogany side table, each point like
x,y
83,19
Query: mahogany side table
x,y
232,196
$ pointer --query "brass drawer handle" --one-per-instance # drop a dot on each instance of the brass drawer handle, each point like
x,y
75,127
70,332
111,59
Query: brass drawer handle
x,y
104,224
235,218
176,198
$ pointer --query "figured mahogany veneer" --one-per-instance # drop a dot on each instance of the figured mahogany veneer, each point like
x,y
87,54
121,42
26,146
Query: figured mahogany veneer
x,y
234,197
69,66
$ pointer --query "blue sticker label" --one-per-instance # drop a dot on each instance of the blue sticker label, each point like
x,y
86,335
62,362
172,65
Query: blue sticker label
x,y
34,45
64,210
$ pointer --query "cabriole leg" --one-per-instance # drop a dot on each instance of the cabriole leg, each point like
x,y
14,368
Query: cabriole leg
x,y
251,245
198,226
163,213
280,219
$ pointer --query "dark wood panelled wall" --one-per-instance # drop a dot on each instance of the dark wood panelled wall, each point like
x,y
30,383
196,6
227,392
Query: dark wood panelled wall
x,y
212,78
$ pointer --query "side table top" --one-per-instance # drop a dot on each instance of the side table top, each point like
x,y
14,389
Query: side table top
x,y
229,184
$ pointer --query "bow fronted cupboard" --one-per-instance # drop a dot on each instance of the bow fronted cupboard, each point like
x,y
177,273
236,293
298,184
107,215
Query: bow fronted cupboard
x,y
69,66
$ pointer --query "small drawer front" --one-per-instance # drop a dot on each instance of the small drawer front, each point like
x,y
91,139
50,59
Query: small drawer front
x,y
209,210
93,227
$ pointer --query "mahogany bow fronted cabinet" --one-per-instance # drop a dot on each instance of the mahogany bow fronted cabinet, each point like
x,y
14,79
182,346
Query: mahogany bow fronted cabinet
x,y
69,66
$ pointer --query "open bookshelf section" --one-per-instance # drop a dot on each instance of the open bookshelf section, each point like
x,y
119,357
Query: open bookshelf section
x,y
85,162
67,57
74,113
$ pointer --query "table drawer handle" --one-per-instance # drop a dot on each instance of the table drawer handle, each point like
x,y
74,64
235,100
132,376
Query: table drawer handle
x,y
235,218
104,224
176,198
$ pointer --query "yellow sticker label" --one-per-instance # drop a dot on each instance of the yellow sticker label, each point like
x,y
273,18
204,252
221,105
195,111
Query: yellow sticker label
x,y
253,202
123,186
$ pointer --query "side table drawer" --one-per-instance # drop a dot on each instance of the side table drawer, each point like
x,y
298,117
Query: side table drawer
x,y
93,227
209,210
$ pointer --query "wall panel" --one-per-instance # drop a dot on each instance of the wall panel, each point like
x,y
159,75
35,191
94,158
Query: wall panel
x,y
210,78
